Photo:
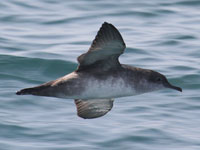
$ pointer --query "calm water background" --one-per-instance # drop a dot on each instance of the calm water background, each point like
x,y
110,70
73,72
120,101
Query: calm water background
x,y
40,40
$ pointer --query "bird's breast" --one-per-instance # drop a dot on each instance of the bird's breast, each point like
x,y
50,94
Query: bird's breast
x,y
111,87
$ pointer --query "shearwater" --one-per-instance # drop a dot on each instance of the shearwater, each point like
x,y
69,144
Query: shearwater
x,y
100,77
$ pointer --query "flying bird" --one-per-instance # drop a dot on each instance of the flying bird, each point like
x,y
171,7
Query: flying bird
x,y
100,77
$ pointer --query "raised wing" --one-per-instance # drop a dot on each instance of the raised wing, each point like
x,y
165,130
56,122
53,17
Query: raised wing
x,y
107,46
89,109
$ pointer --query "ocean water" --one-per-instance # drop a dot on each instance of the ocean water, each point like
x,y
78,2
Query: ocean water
x,y
40,41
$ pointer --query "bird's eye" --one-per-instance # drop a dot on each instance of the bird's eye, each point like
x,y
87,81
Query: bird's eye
x,y
158,79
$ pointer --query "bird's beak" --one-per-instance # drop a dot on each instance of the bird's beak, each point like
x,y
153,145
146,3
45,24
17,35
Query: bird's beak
x,y
168,85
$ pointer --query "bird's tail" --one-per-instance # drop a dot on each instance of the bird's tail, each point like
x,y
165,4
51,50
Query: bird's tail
x,y
28,91
41,90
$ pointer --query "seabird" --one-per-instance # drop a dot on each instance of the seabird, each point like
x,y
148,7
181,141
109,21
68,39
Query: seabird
x,y
100,77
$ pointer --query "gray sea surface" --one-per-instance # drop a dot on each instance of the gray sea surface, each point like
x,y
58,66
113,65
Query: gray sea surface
x,y
40,41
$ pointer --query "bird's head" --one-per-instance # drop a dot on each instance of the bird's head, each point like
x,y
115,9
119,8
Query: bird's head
x,y
153,81
161,81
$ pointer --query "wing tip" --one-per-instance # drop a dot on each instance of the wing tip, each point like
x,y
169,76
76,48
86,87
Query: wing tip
x,y
112,27
106,24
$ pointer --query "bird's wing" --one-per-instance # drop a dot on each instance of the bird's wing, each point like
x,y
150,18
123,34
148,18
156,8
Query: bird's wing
x,y
89,109
107,46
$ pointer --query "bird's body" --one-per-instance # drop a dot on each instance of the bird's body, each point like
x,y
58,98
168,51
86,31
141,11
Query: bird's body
x,y
100,77
94,86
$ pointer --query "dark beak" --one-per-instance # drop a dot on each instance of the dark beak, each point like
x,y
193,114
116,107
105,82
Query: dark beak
x,y
168,85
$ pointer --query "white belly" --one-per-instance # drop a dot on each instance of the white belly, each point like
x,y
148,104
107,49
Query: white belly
x,y
109,88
